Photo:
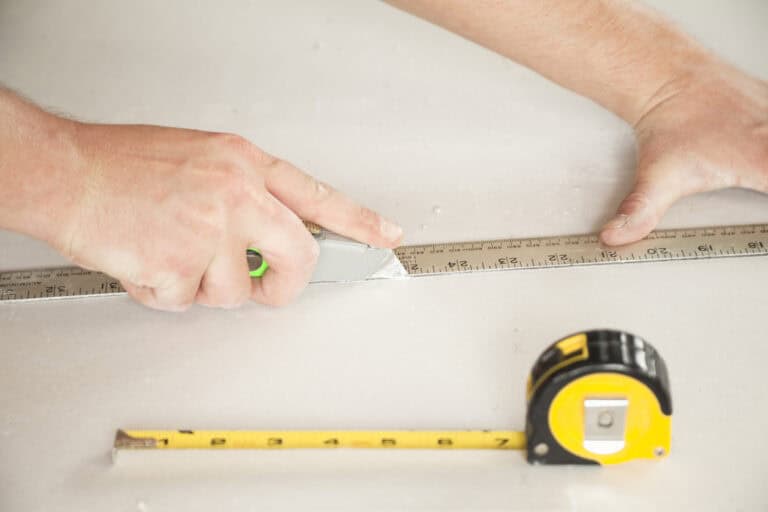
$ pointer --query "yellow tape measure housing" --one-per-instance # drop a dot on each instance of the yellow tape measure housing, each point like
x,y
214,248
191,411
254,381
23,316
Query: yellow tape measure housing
x,y
599,397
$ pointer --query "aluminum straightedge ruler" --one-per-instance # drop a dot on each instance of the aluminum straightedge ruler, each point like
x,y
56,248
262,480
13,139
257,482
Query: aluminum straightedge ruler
x,y
345,260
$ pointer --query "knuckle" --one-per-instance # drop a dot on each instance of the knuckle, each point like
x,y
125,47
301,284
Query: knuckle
x,y
173,308
320,191
196,225
148,275
316,195
311,253
305,255
140,278
147,301
165,303
268,208
369,218
228,177
225,297
235,195
278,300
239,296
374,225
274,167
236,302
230,142
277,296
180,307
636,200
165,266
229,183
178,268
262,158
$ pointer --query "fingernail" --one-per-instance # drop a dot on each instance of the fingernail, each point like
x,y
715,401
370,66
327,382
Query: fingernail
x,y
390,231
618,222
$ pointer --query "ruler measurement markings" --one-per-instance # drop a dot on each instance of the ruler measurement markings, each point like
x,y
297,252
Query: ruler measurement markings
x,y
462,257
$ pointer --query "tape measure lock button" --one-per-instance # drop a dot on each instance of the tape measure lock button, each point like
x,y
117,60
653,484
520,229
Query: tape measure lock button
x,y
608,404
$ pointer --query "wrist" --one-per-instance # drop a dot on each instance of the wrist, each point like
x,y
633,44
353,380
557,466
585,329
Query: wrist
x,y
676,76
39,190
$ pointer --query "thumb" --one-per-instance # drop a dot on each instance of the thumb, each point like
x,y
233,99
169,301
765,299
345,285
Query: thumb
x,y
657,187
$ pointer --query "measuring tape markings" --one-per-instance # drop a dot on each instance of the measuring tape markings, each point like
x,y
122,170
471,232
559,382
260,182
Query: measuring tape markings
x,y
404,439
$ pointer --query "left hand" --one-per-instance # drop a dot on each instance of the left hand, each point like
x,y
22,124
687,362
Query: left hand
x,y
704,131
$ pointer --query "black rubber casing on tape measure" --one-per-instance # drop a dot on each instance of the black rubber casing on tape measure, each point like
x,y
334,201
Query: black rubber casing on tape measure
x,y
582,355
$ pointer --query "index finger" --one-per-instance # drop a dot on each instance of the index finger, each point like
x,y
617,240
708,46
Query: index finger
x,y
320,203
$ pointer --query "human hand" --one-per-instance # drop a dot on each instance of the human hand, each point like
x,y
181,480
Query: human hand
x,y
704,131
170,213
701,124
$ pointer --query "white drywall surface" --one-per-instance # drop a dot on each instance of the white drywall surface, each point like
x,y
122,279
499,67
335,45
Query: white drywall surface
x,y
404,117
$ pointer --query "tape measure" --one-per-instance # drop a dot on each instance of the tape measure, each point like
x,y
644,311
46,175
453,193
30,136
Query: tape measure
x,y
432,259
597,397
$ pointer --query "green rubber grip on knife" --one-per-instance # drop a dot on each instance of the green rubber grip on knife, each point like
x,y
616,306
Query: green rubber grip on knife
x,y
257,265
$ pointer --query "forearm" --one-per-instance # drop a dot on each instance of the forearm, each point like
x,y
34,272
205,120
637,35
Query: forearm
x,y
616,52
37,156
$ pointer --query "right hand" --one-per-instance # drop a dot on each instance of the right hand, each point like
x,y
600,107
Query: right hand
x,y
706,130
170,213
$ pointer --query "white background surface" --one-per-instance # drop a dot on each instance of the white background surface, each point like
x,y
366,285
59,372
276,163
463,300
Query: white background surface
x,y
404,117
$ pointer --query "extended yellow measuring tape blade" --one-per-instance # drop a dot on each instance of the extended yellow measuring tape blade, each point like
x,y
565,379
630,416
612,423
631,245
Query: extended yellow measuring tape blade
x,y
595,397
256,440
